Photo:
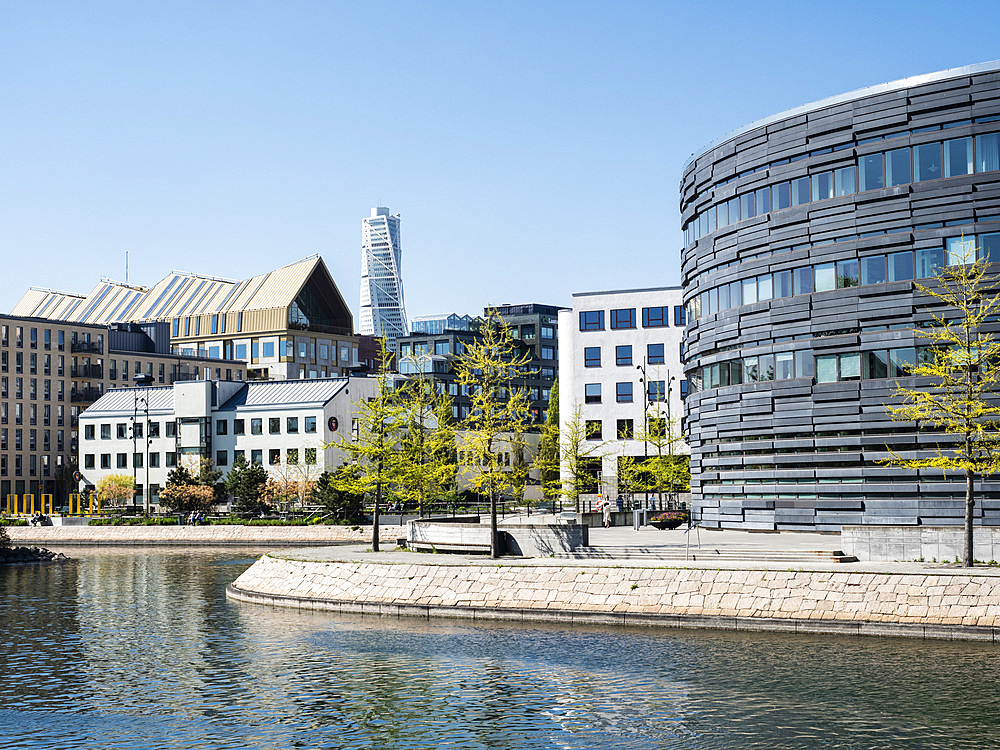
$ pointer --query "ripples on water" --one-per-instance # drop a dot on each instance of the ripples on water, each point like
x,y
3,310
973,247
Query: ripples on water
x,y
124,650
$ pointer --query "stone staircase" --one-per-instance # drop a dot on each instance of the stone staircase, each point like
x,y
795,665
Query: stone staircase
x,y
703,554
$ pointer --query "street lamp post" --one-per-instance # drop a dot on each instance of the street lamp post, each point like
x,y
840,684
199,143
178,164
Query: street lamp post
x,y
141,380
645,421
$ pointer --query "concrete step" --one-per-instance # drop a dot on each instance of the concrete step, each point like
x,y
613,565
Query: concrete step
x,y
721,554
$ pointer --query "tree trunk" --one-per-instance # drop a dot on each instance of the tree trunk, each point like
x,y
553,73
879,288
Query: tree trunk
x,y
378,501
968,557
494,535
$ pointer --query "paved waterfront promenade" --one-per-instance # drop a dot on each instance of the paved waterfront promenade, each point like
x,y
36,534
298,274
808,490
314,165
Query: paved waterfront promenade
x,y
909,599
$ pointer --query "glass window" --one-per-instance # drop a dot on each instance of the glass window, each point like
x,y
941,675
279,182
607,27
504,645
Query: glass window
x,y
764,287
960,250
626,429
256,426
723,297
722,212
822,186
825,277
803,365
274,456
657,317
747,206
749,291
623,318
257,457
274,425
763,200
989,247
926,162
845,181
592,320
267,349
592,356
592,393
873,269
781,195
765,367
592,429
958,157
623,355
826,368
310,456
680,317
870,168
782,284
734,210
988,152
850,366
802,280
734,300
901,361
847,273
310,424
222,427
784,366
875,365
222,458
897,167
801,191
654,354
900,266
657,390
292,425
623,393
750,370
238,427
929,260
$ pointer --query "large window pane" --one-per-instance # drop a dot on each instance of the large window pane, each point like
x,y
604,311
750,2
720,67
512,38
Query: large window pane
x,y
782,284
750,370
711,219
722,211
873,270
927,162
764,289
763,200
800,191
960,250
875,365
747,206
784,366
929,260
825,277
850,366
802,280
781,196
989,247
845,181
734,210
724,297
765,367
958,157
847,273
870,168
803,365
826,368
734,296
897,167
901,266
822,186
988,152
749,291
901,361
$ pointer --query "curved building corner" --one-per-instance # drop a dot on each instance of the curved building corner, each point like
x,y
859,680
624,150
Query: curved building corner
x,y
804,236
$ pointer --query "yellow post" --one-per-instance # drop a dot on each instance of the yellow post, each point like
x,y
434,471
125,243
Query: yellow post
x,y
92,503
79,509
52,507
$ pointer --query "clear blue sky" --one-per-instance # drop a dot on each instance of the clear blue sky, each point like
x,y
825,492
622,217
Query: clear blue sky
x,y
533,148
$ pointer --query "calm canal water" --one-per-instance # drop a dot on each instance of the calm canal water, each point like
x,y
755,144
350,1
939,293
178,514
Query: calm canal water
x,y
141,649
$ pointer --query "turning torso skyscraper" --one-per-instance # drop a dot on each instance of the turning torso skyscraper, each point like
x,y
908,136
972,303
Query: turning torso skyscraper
x,y
382,312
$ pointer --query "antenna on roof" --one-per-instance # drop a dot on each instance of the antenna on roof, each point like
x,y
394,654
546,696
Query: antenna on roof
x,y
126,266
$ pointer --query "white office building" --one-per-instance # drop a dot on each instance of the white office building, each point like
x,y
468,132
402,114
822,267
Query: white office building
x,y
382,310
620,365
291,427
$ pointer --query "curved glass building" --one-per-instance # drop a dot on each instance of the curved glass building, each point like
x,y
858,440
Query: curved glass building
x,y
804,234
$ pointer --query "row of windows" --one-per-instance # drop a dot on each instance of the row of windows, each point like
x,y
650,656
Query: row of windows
x,y
32,439
624,428
905,265
625,318
122,429
274,458
623,355
32,410
826,368
33,465
928,161
656,390
287,350
47,337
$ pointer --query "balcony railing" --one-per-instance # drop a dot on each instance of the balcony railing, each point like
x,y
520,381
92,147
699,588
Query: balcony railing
x,y
87,371
91,347
85,395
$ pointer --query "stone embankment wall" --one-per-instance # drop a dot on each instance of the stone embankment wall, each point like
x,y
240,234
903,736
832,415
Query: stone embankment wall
x,y
935,605
903,543
201,535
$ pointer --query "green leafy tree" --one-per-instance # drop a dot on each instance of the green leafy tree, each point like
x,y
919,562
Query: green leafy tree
x,y
498,414
186,492
579,452
961,368
115,489
4,539
246,482
664,469
373,450
330,493
547,460
426,453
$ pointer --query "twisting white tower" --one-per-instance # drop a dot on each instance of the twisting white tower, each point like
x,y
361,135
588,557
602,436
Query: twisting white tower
x,y
382,312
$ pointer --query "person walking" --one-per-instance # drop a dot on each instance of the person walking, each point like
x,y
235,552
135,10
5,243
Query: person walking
x,y
607,513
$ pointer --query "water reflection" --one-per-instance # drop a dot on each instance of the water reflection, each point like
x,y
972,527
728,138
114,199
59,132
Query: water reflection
x,y
140,649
